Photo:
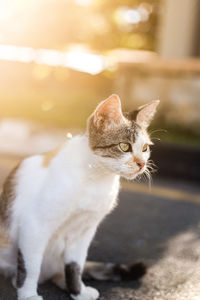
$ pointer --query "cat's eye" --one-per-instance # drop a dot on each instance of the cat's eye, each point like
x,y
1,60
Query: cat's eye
x,y
125,147
145,148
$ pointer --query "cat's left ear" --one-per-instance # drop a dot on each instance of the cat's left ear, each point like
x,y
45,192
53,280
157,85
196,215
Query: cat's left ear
x,y
109,112
146,113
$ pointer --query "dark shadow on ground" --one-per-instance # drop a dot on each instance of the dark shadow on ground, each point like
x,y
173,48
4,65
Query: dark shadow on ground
x,y
139,229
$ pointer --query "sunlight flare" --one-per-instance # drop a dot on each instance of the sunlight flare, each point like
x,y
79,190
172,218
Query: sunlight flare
x,y
79,59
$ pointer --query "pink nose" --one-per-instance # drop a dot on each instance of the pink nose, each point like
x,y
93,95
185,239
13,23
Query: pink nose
x,y
140,164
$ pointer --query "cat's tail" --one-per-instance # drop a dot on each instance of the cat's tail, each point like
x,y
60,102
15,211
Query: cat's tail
x,y
113,272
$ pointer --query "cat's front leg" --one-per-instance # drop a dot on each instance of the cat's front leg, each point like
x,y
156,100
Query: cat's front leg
x,y
75,257
75,286
32,243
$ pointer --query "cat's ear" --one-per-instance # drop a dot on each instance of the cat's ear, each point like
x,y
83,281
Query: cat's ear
x,y
108,112
146,113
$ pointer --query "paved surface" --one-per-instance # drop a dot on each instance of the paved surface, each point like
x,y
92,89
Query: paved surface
x,y
161,228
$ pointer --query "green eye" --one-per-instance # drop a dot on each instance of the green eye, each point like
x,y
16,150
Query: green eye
x,y
145,148
125,147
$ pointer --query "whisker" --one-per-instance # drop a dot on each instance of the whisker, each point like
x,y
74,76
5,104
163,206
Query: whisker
x,y
152,169
146,177
143,178
151,166
148,174
150,161
138,178
154,138
157,130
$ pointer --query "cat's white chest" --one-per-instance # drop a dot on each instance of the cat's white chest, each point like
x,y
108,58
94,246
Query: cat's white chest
x,y
99,194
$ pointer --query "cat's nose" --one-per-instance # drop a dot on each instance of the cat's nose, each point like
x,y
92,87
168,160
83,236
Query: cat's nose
x,y
140,164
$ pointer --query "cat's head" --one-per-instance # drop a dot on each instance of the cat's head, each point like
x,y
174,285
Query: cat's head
x,y
120,140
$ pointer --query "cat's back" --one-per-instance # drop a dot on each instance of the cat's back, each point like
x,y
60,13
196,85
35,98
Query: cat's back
x,y
35,172
45,179
18,180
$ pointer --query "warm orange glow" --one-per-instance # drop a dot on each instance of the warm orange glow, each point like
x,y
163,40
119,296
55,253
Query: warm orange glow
x,y
83,2
77,59
47,105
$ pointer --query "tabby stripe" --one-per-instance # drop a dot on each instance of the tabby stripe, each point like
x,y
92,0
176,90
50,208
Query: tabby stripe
x,y
106,147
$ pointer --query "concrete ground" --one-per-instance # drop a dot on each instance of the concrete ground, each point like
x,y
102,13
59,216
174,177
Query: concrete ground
x,y
160,227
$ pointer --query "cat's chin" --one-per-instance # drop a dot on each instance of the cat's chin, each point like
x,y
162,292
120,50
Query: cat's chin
x,y
133,175
130,176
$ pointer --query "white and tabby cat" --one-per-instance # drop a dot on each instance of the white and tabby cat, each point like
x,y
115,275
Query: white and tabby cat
x,y
52,204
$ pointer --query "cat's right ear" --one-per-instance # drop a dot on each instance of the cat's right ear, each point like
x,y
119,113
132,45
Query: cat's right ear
x,y
108,113
144,115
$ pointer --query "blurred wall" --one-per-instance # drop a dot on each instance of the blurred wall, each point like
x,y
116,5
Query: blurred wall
x,y
175,83
174,75
179,28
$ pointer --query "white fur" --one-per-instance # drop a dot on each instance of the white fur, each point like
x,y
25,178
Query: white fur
x,y
56,212
88,293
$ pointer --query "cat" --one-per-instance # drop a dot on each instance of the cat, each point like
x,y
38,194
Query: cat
x,y
51,204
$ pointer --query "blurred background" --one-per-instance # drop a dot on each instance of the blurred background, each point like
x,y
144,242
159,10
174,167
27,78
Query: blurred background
x,y
58,59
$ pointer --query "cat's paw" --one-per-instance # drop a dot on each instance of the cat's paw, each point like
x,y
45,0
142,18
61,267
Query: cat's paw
x,y
88,293
92,292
